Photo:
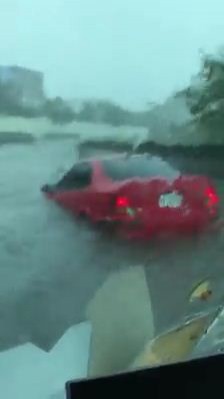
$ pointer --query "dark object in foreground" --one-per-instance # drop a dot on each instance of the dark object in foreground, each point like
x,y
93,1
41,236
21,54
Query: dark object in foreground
x,y
141,196
200,378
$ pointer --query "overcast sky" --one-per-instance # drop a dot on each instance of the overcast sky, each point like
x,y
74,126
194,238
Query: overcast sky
x,y
132,51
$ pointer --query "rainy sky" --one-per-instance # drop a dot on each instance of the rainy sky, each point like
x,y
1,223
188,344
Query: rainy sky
x,y
132,51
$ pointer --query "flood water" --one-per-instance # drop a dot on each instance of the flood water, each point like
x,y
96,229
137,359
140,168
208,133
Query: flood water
x,y
51,267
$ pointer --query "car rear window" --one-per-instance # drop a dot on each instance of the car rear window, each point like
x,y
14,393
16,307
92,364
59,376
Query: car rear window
x,y
142,167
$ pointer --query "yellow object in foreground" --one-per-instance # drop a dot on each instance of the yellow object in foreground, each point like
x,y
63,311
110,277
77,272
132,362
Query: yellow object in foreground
x,y
173,346
202,291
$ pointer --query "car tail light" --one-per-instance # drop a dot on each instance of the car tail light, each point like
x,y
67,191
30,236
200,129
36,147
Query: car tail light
x,y
211,198
122,202
123,207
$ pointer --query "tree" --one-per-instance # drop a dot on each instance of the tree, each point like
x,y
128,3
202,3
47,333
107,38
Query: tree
x,y
87,112
58,111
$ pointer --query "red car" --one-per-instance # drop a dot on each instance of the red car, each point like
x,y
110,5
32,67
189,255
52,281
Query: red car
x,y
140,195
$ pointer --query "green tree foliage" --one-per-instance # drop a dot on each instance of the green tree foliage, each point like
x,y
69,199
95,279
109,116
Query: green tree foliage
x,y
210,94
104,112
58,111
88,112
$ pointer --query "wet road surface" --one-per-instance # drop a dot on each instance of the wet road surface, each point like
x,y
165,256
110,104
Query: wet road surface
x,y
51,267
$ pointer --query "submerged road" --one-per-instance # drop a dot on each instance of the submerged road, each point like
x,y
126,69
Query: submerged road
x,y
54,272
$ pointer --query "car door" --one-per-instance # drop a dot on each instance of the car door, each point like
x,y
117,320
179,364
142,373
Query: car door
x,y
74,188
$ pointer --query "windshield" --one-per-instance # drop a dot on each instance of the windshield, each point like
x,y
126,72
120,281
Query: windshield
x,y
98,277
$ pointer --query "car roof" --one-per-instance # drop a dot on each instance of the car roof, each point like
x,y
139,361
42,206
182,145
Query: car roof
x,y
128,166
122,157
109,157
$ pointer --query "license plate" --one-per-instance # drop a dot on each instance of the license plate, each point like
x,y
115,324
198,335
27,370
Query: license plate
x,y
170,200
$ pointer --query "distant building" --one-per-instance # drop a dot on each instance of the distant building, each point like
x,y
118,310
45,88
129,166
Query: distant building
x,y
25,86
